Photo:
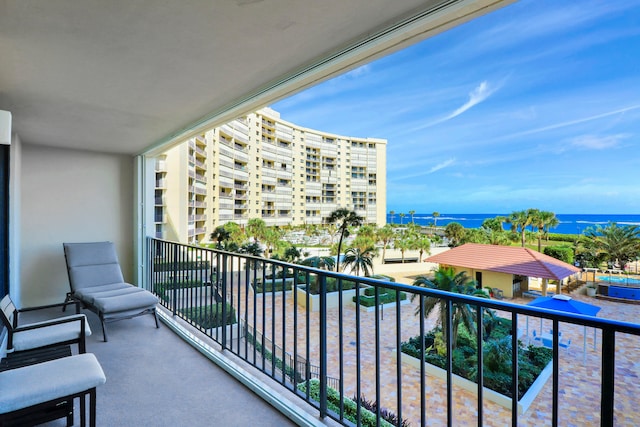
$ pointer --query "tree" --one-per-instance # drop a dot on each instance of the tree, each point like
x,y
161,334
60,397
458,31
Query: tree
x,y
618,245
220,235
271,237
344,218
435,216
321,262
542,220
520,220
385,234
454,231
423,244
402,215
291,254
256,228
412,212
446,279
392,214
405,242
359,259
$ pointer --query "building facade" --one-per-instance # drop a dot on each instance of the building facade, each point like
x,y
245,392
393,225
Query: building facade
x,y
260,166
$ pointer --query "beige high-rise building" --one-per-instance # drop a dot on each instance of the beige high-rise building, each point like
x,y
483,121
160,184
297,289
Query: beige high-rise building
x,y
260,166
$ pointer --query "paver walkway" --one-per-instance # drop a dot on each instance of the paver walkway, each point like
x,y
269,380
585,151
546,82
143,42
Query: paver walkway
x,y
579,381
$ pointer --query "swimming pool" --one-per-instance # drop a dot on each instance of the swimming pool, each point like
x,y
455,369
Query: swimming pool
x,y
618,279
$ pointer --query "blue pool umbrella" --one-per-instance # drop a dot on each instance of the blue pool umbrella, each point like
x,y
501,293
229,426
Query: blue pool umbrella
x,y
568,305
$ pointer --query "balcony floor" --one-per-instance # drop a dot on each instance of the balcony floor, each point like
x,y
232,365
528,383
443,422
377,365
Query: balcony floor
x,y
154,378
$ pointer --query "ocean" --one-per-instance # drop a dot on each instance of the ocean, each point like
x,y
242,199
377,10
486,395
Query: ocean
x,y
569,224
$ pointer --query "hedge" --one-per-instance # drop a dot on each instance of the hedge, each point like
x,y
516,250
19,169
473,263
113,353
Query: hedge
x,y
210,316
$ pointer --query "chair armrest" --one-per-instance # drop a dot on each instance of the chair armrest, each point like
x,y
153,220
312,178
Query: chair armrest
x,y
44,324
62,304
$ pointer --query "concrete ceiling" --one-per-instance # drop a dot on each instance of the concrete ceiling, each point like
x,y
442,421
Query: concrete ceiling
x,y
124,75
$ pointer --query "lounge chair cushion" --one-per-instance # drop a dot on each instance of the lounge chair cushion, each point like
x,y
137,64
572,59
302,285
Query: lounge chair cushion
x,y
138,300
42,382
89,295
49,334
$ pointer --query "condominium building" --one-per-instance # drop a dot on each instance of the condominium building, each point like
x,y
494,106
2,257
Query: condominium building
x,y
260,166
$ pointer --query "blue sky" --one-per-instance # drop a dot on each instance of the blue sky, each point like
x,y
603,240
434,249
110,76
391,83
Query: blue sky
x,y
535,105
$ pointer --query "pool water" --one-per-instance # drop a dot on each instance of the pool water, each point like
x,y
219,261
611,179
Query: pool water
x,y
611,279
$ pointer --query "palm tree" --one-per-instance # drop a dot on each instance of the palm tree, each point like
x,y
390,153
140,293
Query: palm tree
x,y
345,219
359,259
435,216
271,236
385,234
520,220
423,244
402,215
619,244
321,262
542,220
404,243
412,213
256,228
446,279
454,231
391,214
220,235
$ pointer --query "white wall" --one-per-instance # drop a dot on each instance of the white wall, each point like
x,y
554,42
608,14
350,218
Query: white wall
x,y
70,196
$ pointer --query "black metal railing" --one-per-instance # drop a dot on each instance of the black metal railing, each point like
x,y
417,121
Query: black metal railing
x,y
284,320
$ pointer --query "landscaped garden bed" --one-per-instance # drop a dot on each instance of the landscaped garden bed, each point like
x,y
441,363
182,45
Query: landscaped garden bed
x,y
367,417
386,298
534,366
333,292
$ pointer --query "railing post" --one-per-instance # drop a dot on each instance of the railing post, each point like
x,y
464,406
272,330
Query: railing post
x,y
323,345
224,301
608,377
175,280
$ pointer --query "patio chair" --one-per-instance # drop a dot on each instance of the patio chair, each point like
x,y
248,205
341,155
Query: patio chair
x,y
497,293
31,394
565,344
60,331
535,336
96,281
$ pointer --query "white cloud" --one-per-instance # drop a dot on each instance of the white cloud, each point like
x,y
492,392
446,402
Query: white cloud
x,y
594,142
479,94
442,165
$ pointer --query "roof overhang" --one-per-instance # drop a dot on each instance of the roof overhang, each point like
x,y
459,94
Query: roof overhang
x,y
123,76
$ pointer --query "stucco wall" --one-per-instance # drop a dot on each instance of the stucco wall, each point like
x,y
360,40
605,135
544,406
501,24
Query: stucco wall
x,y
70,196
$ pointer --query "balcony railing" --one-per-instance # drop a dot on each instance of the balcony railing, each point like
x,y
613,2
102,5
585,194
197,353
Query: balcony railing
x,y
325,351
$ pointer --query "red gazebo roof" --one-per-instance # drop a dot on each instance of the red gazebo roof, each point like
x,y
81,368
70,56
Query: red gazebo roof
x,y
505,259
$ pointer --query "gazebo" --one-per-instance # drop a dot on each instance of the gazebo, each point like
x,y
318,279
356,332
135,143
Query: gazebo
x,y
502,266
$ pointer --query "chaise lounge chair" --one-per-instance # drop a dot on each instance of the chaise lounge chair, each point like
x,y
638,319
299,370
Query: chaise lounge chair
x,y
96,281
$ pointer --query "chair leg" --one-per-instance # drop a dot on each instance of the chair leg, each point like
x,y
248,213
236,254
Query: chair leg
x,y
155,316
92,407
83,410
104,330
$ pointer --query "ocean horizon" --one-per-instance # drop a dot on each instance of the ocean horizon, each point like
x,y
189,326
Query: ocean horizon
x,y
569,223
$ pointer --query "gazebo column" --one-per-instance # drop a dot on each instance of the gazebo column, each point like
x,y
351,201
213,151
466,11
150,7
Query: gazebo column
x,y
544,287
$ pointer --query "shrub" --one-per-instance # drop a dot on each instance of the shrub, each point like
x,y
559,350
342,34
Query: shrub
x,y
496,354
385,295
272,286
180,265
564,237
210,316
561,252
385,414
368,418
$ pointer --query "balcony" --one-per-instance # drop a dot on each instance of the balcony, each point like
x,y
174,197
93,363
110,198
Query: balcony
x,y
355,351
150,388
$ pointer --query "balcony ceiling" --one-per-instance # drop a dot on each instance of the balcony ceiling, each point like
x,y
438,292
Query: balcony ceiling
x,y
123,75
